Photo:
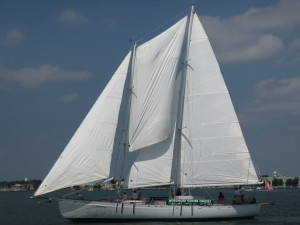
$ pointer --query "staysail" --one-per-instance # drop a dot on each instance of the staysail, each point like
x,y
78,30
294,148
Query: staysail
x,y
153,165
87,156
156,63
213,149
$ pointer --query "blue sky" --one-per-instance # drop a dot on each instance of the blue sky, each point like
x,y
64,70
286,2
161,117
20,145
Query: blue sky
x,y
57,56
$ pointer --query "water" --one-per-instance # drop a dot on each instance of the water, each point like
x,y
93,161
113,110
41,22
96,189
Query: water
x,y
16,208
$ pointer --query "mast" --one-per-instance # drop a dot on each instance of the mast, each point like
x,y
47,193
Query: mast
x,y
125,142
177,146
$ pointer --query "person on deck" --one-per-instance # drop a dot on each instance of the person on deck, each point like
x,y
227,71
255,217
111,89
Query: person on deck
x,y
139,193
242,194
178,192
236,196
134,195
221,199
79,196
124,196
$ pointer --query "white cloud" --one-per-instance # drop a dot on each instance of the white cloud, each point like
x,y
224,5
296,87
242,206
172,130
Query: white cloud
x,y
31,77
264,47
69,97
13,37
281,16
72,17
273,100
279,89
277,96
254,34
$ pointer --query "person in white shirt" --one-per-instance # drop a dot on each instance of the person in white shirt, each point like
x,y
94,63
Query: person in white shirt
x,y
236,196
124,196
79,196
134,195
242,194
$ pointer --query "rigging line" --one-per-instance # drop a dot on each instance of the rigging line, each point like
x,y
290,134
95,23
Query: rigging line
x,y
209,195
162,25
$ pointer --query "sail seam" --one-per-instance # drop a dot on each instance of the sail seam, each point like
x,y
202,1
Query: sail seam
x,y
221,93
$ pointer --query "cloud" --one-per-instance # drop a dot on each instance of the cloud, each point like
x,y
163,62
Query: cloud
x,y
72,17
31,77
274,97
69,97
264,47
273,100
285,89
284,15
13,37
256,34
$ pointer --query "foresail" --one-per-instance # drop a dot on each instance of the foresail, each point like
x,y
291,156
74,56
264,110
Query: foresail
x,y
153,165
154,73
87,156
213,149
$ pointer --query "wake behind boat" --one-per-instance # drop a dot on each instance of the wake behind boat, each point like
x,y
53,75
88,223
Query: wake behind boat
x,y
180,130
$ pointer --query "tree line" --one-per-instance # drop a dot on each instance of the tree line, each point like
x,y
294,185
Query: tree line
x,y
288,183
9,184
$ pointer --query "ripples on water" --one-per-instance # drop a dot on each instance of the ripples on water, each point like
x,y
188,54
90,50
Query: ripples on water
x,y
16,208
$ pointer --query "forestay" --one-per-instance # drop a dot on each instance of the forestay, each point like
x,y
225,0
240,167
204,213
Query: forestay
x,y
213,149
87,156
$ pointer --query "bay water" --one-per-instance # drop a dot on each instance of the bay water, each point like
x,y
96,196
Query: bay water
x,y
16,208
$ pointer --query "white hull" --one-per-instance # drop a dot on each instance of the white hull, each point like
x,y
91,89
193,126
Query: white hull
x,y
100,210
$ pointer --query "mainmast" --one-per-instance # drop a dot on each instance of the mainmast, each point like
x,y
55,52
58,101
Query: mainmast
x,y
177,146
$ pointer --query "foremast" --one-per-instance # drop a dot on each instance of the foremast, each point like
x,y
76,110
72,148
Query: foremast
x,y
125,136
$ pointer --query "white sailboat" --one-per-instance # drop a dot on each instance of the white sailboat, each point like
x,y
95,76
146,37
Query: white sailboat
x,y
180,130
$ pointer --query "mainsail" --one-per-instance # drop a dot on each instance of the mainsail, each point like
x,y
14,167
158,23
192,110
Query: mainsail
x,y
87,156
213,149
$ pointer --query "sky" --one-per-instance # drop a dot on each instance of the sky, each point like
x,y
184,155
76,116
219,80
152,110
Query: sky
x,y
57,56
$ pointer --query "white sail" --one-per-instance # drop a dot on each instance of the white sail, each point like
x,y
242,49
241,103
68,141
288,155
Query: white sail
x,y
213,149
153,165
154,74
87,157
